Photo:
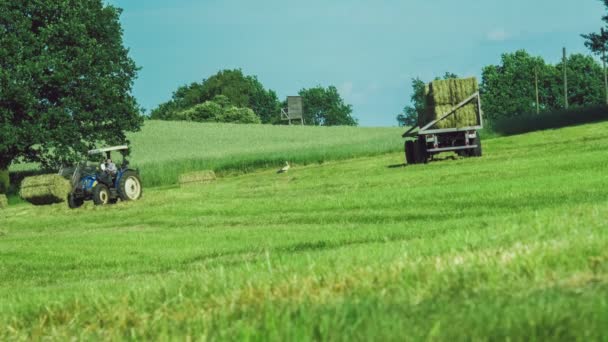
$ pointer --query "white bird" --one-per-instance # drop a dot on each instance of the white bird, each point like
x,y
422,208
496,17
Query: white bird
x,y
284,168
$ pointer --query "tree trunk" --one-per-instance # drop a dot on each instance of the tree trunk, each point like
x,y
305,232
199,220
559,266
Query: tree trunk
x,y
4,175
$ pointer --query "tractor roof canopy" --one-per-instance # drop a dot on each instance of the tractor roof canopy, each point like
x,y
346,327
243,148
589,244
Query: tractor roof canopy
x,y
108,149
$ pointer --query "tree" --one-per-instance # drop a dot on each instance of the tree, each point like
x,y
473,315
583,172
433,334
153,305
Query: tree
x,y
585,81
242,92
325,107
65,80
509,89
597,42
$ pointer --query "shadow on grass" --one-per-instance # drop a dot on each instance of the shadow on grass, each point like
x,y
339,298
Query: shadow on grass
x,y
536,122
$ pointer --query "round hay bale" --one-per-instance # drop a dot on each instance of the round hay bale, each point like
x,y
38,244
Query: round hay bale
x,y
45,189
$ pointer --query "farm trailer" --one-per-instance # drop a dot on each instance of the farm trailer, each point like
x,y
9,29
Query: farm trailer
x,y
422,143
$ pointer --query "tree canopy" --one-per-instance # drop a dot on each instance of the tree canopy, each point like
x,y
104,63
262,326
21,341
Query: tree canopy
x,y
598,41
325,107
509,90
65,80
241,91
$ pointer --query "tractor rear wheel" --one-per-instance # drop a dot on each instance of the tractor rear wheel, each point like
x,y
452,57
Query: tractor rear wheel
x,y
129,186
101,194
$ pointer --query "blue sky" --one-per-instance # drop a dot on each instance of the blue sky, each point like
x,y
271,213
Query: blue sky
x,y
370,50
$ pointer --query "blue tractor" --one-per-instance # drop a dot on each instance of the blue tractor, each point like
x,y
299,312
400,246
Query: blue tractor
x,y
103,184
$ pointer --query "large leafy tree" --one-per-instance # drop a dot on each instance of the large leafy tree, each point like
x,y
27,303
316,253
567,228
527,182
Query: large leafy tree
x,y
65,80
585,81
325,107
508,89
243,92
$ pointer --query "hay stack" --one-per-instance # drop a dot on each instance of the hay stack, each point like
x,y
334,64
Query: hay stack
x,y
3,201
443,95
206,176
45,189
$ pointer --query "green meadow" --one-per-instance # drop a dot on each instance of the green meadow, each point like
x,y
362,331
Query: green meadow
x,y
165,149
510,246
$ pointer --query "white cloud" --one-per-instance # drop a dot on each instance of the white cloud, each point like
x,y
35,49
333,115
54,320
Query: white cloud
x,y
497,35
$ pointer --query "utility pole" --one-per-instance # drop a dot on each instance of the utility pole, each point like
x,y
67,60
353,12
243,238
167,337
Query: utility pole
x,y
565,80
604,61
536,83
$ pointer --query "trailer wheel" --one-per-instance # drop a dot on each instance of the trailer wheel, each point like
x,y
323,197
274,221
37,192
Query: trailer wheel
x,y
420,155
409,152
476,152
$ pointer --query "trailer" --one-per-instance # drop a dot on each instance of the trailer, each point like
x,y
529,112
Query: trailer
x,y
422,143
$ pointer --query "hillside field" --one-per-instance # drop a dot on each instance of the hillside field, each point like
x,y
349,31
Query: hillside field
x,y
163,150
513,245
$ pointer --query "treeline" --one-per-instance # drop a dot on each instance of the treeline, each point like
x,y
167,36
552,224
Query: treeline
x,y
231,96
509,88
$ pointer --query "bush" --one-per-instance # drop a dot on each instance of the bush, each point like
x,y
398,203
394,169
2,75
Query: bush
x,y
204,112
239,115
210,111
550,120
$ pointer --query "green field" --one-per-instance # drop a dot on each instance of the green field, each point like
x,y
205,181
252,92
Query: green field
x,y
164,149
513,245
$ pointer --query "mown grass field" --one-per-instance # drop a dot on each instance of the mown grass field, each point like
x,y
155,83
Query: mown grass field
x,y
513,245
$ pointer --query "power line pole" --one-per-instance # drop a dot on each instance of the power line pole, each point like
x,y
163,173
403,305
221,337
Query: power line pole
x,y
604,61
536,83
565,80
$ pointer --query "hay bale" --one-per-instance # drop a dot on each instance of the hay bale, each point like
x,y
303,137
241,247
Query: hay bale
x,y
452,91
3,201
206,176
443,95
45,189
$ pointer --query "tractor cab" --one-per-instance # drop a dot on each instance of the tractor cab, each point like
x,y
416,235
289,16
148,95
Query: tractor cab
x,y
100,179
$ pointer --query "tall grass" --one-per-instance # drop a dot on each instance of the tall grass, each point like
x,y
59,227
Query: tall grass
x,y
164,150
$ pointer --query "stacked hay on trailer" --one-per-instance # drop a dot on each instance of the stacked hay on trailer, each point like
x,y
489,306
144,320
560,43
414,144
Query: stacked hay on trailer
x,y
45,189
443,95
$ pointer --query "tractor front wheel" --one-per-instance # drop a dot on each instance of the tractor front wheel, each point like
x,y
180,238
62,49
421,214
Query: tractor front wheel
x,y
129,187
74,202
101,194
